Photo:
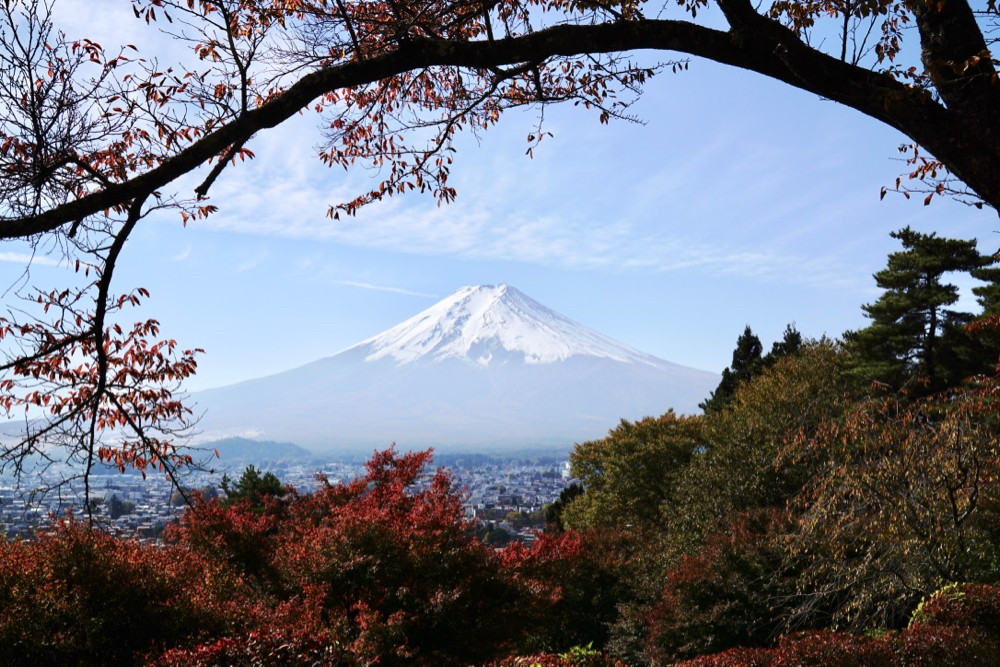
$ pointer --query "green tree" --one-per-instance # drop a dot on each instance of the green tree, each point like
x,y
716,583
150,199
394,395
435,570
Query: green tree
x,y
521,520
988,295
252,487
554,510
790,343
906,338
748,363
725,580
630,474
986,340
118,508
495,536
741,466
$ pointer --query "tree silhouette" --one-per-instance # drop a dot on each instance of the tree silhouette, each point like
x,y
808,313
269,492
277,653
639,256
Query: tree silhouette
x,y
252,488
905,338
748,363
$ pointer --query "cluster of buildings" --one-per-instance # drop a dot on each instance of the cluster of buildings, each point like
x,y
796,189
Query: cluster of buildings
x,y
508,497
504,494
125,504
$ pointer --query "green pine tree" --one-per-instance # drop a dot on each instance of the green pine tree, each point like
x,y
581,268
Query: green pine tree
x,y
252,487
912,334
748,364
790,343
988,295
985,343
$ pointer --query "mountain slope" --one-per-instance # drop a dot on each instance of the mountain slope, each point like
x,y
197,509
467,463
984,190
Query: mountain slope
x,y
487,366
476,322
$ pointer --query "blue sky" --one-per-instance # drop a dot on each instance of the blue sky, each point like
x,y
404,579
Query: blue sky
x,y
740,201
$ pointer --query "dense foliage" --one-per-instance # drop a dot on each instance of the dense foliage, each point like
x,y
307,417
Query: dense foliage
x,y
957,626
913,337
80,596
827,489
383,570
759,533
809,504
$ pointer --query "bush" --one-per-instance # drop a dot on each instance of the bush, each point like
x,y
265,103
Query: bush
x,y
278,649
391,572
956,627
578,656
580,578
728,593
81,596
961,605
959,625
808,649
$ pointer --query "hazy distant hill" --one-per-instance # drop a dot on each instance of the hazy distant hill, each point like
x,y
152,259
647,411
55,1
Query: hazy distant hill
x,y
486,367
247,450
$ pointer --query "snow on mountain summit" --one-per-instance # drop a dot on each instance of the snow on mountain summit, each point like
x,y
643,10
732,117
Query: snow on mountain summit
x,y
486,368
489,324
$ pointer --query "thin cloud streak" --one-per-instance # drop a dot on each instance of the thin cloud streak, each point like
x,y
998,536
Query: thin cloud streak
x,y
548,240
252,262
384,288
640,236
24,258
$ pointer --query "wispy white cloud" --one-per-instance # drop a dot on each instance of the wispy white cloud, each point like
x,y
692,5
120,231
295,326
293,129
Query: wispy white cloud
x,y
25,258
181,256
252,261
494,232
669,219
308,262
384,288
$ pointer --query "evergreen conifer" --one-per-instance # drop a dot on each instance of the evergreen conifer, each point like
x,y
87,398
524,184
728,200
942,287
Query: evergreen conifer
x,y
912,334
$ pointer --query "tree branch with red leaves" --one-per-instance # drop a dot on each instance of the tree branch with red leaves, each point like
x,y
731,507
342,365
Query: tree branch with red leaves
x,y
90,391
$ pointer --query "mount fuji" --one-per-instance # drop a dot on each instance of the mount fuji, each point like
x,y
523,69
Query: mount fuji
x,y
487,367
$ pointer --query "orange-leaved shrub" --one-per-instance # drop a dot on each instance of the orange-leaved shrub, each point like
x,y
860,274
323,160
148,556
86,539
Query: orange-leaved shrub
x,y
382,569
276,648
80,596
387,567
956,627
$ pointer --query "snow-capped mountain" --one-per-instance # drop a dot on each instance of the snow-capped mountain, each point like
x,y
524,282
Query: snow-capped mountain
x,y
488,324
486,366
